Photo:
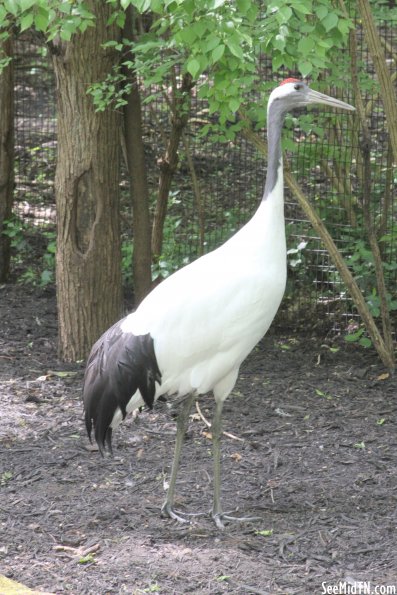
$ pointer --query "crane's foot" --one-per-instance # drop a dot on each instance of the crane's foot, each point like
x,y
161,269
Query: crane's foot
x,y
167,510
220,518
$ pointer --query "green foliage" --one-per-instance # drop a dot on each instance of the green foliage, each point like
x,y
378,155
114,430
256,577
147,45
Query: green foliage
x,y
223,578
359,337
264,532
87,559
361,262
171,258
153,588
51,17
42,272
221,45
383,10
5,478
307,33
127,252
359,445
14,229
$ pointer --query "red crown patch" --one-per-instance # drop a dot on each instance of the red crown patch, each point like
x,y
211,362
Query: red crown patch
x,y
290,80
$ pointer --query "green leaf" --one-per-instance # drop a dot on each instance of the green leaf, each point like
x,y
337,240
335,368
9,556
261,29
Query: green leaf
x,y
234,104
212,42
88,559
359,445
353,337
26,4
66,34
141,5
322,12
223,578
365,342
330,21
284,13
305,67
217,3
305,45
218,52
188,35
193,67
235,48
26,21
244,5
302,7
46,277
41,19
277,61
264,532
11,6
344,26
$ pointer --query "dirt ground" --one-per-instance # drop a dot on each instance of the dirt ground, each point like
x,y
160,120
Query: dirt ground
x,y
315,461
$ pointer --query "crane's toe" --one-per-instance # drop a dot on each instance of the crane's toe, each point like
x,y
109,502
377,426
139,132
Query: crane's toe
x,y
167,510
220,518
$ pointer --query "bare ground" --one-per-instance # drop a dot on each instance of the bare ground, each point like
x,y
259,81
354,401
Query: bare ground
x,y
316,462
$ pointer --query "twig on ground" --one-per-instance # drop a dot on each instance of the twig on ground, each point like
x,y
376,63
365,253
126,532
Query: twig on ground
x,y
208,424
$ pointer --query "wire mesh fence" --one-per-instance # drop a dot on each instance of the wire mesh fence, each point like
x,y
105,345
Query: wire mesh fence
x,y
217,188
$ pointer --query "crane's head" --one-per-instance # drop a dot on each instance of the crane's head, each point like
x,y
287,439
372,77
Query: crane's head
x,y
293,93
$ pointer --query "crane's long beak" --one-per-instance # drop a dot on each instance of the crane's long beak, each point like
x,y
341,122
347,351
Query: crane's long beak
x,y
316,97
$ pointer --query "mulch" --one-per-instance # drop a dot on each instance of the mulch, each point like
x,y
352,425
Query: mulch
x,y
312,455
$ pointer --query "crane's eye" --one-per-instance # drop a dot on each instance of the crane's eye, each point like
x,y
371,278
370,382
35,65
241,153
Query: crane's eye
x,y
298,86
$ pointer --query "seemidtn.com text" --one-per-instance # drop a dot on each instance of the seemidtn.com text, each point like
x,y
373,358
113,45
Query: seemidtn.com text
x,y
358,588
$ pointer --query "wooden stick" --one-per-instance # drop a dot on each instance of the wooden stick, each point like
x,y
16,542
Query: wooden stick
x,y
208,424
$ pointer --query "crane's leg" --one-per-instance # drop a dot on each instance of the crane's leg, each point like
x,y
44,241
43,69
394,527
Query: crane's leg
x,y
216,429
217,513
181,425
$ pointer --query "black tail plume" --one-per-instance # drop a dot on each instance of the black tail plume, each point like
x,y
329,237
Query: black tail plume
x,y
119,364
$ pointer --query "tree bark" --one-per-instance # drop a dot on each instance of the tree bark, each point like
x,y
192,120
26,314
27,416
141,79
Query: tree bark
x,y
6,156
365,150
180,113
142,256
386,84
88,260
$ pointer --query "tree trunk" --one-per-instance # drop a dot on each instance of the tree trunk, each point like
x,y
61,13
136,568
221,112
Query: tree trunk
x,y
6,156
88,260
386,83
180,113
142,257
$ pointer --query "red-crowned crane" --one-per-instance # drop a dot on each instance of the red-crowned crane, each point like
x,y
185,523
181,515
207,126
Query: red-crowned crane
x,y
192,332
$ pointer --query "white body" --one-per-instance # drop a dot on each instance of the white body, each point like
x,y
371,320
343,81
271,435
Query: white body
x,y
226,303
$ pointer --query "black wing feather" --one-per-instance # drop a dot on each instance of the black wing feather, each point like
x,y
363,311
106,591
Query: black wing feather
x,y
119,364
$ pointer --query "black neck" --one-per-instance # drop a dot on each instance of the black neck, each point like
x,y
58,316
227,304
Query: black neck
x,y
275,122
